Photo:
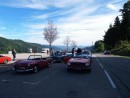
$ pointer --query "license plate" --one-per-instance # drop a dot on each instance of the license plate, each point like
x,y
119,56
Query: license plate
x,y
22,68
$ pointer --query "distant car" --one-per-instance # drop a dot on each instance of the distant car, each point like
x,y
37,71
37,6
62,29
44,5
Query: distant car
x,y
79,62
29,50
33,63
43,51
57,57
107,52
88,54
4,59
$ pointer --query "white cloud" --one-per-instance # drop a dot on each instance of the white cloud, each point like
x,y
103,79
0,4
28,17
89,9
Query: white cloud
x,y
39,26
42,17
77,19
80,26
41,4
113,7
33,4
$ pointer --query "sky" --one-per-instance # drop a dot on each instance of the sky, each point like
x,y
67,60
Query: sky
x,y
83,21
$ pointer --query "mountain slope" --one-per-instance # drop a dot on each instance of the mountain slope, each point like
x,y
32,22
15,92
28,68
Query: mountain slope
x,y
22,47
19,45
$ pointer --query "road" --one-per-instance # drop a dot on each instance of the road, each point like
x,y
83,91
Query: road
x,y
108,79
119,70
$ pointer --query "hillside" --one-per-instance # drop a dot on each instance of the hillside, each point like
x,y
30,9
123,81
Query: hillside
x,y
19,45
22,47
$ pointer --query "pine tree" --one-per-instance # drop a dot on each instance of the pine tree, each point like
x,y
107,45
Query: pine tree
x,y
125,24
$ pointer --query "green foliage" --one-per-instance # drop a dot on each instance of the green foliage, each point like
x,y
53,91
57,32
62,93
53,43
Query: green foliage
x,y
125,25
123,48
112,35
99,46
117,37
19,45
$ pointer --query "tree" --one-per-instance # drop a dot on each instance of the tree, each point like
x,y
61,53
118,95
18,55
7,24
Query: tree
x,y
99,46
117,22
113,35
125,24
50,33
67,42
73,44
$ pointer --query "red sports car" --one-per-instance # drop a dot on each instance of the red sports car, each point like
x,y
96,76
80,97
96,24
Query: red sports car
x,y
67,57
79,62
4,59
33,63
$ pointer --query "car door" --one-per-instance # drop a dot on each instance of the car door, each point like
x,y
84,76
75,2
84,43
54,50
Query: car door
x,y
2,59
43,63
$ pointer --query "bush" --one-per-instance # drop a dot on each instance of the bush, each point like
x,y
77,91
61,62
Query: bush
x,y
122,48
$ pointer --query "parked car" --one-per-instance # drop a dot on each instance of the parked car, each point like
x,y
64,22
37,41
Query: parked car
x,y
57,57
79,62
107,52
33,63
43,51
88,54
67,57
4,59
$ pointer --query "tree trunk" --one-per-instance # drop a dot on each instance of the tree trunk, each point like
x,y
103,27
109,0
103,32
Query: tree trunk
x,y
50,49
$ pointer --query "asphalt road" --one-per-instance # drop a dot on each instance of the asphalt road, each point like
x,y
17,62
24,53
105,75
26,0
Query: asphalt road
x,y
119,70
108,79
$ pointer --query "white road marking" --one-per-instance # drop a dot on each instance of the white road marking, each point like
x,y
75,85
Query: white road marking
x,y
100,64
110,80
4,80
35,83
108,76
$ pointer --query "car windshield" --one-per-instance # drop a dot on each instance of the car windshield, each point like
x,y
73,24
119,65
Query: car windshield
x,y
86,52
34,57
58,54
80,56
68,54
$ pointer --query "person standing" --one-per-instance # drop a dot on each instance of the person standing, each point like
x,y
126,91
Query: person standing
x,y
14,54
73,50
47,52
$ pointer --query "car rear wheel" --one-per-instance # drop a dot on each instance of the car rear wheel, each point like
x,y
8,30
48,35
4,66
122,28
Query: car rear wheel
x,y
35,69
5,62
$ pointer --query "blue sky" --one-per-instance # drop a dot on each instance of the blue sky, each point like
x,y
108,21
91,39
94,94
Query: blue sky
x,y
84,21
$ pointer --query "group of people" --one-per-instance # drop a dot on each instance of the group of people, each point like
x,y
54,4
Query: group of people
x,y
78,51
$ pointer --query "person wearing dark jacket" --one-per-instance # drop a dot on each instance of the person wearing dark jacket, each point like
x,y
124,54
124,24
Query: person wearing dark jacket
x,y
14,54
73,51
79,51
